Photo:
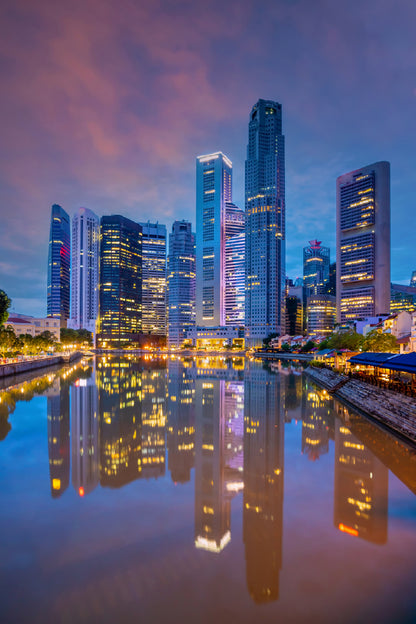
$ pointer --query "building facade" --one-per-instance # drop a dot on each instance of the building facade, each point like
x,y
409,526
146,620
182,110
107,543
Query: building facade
x,y
213,191
265,223
154,278
22,324
316,264
181,282
84,270
235,273
120,286
58,292
363,242
321,311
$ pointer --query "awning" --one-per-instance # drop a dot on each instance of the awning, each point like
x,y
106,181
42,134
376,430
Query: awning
x,y
372,359
405,363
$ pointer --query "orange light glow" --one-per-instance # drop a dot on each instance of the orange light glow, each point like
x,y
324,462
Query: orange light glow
x,y
81,491
347,529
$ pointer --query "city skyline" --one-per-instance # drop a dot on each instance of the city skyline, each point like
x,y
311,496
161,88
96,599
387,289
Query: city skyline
x,y
83,131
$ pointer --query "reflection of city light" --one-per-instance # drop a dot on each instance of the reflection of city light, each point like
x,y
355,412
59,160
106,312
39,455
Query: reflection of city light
x,y
347,529
81,491
211,545
56,484
236,486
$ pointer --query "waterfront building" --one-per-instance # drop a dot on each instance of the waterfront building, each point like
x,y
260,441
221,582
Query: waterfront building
x,y
213,192
235,279
59,265
154,278
265,223
316,265
321,314
84,270
85,440
23,324
120,288
363,242
181,282
213,338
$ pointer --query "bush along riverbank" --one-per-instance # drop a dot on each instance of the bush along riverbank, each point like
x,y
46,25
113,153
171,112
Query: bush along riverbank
x,y
391,409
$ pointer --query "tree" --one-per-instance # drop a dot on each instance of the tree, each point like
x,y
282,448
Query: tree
x,y
266,341
377,341
5,304
343,340
307,347
75,336
8,341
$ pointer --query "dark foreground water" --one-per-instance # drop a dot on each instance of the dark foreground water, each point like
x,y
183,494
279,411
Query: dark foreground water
x,y
204,490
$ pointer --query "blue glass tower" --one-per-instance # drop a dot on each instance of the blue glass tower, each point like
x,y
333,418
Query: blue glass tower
x,y
59,264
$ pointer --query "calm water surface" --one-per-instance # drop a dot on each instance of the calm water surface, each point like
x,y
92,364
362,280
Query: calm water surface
x,y
200,490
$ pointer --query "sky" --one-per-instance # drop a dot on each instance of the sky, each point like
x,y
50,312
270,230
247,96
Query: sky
x,y
107,104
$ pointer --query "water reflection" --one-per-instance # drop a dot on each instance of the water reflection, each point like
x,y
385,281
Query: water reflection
x,y
221,422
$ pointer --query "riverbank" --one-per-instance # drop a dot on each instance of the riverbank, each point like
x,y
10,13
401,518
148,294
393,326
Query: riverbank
x,y
14,369
391,409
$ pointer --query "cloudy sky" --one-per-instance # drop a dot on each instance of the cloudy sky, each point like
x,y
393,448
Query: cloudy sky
x,y
106,104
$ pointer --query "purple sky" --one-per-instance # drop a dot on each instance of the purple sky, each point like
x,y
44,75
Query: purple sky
x,y
106,105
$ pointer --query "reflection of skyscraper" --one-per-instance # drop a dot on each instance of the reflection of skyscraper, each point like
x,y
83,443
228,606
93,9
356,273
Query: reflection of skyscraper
x,y
212,507
265,223
119,387
263,482
153,423
234,434
181,422
59,264
317,406
85,435
58,437
360,489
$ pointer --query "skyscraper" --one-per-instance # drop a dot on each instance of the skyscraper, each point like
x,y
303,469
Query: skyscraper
x,y
363,242
84,270
235,274
120,288
213,191
59,265
315,268
154,278
265,223
181,282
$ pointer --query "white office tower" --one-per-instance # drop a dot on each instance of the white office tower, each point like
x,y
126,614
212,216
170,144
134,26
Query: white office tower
x,y
213,191
84,270
265,224
363,243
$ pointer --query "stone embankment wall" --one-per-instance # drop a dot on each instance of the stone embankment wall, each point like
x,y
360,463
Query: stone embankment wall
x,y
17,368
392,409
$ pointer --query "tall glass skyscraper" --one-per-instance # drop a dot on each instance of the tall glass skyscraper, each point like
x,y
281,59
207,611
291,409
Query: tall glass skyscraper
x,y
265,223
154,278
363,242
59,265
235,274
181,282
213,191
316,260
84,270
120,289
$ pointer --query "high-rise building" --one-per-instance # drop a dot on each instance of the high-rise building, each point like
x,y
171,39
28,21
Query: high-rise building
x,y
265,223
363,242
120,288
413,279
321,313
154,278
331,287
59,265
402,298
181,282
235,274
84,270
213,191
315,268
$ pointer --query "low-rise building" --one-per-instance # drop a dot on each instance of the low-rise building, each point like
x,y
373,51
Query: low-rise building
x,y
215,337
22,324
